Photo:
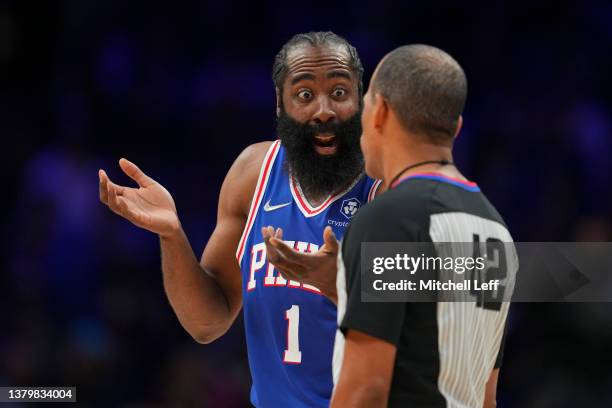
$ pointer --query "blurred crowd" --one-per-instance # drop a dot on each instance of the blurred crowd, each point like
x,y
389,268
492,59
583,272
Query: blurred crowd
x,y
181,89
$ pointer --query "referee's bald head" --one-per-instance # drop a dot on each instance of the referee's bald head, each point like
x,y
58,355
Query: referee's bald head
x,y
425,87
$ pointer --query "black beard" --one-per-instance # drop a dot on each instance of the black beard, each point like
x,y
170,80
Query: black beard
x,y
321,175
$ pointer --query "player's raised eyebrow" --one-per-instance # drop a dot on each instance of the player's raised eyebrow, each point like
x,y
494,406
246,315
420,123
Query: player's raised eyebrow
x,y
332,74
339,74
302,77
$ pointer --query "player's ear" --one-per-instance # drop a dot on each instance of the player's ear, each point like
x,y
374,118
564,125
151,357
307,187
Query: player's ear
x,y
279,102
459,125
381,111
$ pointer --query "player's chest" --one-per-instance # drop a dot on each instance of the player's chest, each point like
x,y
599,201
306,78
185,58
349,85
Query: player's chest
x,y
260,277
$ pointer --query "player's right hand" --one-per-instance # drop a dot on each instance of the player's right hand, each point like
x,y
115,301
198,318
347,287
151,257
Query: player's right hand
x,y
150,206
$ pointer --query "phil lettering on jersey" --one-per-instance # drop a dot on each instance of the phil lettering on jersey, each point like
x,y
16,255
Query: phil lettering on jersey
x,y
272,278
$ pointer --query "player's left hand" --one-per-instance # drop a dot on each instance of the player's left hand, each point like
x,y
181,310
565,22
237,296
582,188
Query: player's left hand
x,y
315,268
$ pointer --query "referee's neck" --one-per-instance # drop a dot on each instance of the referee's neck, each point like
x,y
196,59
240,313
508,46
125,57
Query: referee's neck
x,y
403,153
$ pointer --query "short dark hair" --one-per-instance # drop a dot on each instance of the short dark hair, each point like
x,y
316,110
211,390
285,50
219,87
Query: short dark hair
x,y
425,87
315,39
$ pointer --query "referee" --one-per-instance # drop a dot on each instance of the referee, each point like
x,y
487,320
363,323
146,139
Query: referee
x,y
430,355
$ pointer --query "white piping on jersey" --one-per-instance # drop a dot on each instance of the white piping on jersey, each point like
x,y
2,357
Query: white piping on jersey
x,y
260,188
302,202
338,354
374,190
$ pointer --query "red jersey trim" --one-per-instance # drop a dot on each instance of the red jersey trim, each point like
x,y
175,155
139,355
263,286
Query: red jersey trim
x,y
373,190
262,181
303,204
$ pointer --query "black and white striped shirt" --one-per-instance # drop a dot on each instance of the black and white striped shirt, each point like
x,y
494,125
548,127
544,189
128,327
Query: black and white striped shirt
x,y
445,350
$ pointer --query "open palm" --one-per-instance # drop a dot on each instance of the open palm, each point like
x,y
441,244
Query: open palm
x,y
315,268
150,206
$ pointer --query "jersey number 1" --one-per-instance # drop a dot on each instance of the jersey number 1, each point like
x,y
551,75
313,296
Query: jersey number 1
x,y
293,355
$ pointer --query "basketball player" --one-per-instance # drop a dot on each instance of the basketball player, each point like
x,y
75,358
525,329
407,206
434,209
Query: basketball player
x,y
312,177
411,354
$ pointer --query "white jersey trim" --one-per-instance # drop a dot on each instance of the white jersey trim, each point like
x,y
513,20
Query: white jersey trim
x,y
338,355
260,188
303,204
374,190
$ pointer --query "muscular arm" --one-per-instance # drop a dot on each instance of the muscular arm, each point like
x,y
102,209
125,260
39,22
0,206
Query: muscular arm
x,y
367,369
206,296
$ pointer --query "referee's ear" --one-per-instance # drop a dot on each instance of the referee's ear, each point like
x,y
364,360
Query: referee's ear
x,y
381,111
459,125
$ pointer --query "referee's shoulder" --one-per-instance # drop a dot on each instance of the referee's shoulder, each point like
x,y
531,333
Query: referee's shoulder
x,y
400,202
405,198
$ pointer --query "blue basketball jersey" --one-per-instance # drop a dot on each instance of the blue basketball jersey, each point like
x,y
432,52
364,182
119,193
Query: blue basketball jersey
x,y
290,327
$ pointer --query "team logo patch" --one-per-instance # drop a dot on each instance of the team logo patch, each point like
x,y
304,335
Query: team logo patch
x,y
350,207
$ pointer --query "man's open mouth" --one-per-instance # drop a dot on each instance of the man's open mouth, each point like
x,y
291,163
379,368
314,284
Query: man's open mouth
x,y
325,144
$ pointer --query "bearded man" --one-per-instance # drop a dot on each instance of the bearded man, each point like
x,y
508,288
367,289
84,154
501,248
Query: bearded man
x,y
311,178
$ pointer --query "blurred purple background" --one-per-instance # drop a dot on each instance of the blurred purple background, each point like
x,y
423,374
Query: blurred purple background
x,y
181,89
